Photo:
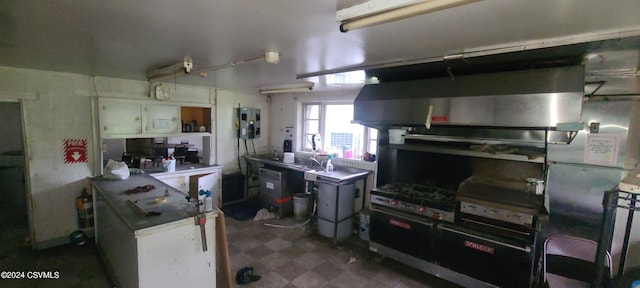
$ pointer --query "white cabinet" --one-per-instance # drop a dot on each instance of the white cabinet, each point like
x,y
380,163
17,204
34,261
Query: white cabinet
x,y
127,118
162,118
191,181
161,251
120,118
178,181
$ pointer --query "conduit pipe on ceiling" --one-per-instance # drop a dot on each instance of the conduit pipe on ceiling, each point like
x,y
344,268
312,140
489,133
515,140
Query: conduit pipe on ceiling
x,y
269,57
401,13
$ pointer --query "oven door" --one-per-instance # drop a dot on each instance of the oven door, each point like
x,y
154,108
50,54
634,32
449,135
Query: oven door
x,y
402,232
502,262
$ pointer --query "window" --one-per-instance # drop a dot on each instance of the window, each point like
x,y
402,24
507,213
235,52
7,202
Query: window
x,y
332,123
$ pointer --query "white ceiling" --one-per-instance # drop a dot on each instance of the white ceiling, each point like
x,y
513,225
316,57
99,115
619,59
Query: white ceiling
x,y
125,39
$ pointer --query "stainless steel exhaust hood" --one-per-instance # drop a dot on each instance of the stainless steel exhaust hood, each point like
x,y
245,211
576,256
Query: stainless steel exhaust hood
x,y
539,98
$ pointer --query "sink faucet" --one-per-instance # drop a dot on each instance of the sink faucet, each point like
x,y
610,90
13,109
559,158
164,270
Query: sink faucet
x,y
316,162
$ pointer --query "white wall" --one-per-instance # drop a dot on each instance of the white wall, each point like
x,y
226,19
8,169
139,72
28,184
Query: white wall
x,y
60,106
287,111
227,145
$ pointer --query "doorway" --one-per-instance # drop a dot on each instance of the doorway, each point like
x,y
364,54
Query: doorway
x,y
14,219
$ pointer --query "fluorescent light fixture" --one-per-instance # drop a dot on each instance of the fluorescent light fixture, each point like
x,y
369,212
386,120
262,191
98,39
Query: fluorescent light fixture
x,y
297,87
174,70
368,18
346,78
372,7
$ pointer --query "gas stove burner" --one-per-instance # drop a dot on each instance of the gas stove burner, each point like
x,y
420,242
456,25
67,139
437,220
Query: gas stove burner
x,y
417,192
426,201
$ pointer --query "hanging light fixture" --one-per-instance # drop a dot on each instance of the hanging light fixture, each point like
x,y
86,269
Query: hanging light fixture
x,y
375,12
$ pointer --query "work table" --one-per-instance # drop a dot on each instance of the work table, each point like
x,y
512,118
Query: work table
x,y
165,250
176,208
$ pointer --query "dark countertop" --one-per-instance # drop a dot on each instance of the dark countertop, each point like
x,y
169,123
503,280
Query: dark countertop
x,y
175,209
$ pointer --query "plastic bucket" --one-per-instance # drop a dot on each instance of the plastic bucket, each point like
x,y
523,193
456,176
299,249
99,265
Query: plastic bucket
x,y
168,165
301,206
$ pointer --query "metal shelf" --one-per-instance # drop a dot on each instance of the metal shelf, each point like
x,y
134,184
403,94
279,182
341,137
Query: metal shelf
x,y
466,152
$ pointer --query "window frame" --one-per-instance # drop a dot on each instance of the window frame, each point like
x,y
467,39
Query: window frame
x,y
321,124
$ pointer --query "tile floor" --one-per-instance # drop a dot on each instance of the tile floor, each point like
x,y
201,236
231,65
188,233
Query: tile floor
x,y
302,258
282,257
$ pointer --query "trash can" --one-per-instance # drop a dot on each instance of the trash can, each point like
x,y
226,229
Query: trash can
x,y
300,206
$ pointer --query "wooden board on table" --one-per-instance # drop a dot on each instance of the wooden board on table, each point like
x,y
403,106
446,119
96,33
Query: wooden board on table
x,y
223,265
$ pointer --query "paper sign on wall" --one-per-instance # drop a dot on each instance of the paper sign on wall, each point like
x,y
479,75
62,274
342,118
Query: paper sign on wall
x,y
75,151
601,149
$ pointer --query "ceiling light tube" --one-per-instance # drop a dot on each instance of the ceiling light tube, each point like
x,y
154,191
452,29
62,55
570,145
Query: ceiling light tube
x,y
402,13
372,7
302,87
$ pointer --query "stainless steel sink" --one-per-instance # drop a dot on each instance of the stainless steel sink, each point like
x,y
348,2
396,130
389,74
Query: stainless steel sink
x,y
340,173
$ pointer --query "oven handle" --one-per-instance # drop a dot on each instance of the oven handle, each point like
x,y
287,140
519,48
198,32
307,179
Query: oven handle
x,y
526,249
402,217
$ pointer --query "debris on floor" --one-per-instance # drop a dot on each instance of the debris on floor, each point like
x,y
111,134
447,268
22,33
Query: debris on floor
x,y
264,214
245,276
352,260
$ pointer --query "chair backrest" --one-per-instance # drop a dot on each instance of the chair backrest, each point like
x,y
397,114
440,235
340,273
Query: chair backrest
x,y
126,158
192,156
571,257
180,150
160,151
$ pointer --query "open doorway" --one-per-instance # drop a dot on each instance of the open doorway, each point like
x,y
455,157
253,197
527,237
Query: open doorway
x,y
14,219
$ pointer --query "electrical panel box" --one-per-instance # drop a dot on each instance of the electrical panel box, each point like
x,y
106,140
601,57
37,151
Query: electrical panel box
x,y
248,123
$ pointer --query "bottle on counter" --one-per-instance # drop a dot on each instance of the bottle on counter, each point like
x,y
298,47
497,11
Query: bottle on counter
x,y
208,202
329,164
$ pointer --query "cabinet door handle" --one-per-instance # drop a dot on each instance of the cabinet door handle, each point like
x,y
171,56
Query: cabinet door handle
x,y
525,249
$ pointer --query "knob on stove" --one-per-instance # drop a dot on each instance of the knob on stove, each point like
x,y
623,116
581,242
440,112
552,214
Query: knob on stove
x,y
436,216
421,209
394,202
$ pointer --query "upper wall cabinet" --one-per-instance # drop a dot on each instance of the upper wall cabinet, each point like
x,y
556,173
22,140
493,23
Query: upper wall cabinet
x,y
120,118
124,118
162,118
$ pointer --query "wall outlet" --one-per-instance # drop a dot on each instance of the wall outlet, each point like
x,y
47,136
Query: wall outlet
x,y
288,133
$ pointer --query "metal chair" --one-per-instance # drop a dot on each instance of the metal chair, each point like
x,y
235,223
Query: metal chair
x,y
180,152
192,156
159,152
127,158
570,262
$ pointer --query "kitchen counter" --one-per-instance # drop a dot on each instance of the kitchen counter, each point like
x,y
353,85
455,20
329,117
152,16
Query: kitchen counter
x,y
339,175
158,171
176,208
167,250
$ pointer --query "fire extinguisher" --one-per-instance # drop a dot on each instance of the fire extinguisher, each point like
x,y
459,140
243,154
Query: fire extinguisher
x,y
84,205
